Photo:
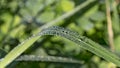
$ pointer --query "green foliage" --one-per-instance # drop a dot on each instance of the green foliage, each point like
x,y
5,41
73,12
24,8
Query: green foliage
x,y
24,18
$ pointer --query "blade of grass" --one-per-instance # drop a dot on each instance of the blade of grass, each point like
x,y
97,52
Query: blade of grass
x,y
84,42
73,36
47,59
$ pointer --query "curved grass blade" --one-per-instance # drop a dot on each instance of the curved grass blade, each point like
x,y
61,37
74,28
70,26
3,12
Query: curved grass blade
x,y
84,42
48,59
73,36
85,39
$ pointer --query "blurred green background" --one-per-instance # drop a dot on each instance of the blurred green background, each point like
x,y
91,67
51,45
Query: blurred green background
x,y
20,19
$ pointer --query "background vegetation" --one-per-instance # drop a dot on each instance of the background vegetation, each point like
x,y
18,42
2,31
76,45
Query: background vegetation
x,y
20,19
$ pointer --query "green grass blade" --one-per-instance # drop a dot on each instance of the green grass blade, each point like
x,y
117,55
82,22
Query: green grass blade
x,y
83,42
17,51
73,36
47,59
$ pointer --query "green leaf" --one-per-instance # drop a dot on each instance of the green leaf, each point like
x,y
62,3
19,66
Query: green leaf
x,y
45,18
85,23
98,16
67,5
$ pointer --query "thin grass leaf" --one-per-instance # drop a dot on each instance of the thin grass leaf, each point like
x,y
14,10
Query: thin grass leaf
x,y
47,59
85,39
84,42
73,36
